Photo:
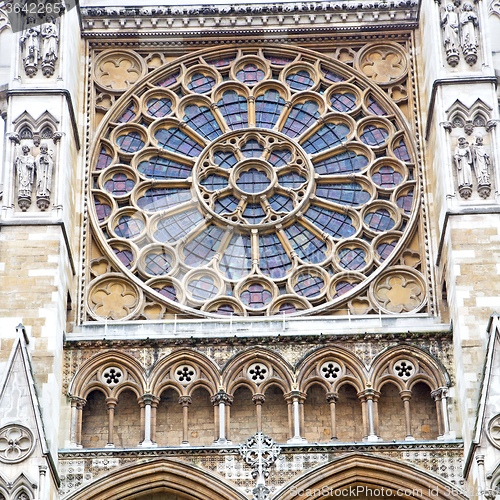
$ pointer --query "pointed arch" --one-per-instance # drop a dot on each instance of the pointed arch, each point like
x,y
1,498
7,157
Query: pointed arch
x,y
236,371
159,474
207,373
373,471
427,368
353,370
89,376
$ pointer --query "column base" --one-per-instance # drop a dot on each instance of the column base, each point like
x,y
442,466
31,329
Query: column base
x,y
110,445
409,438
222,442
373,438
148,444
297,440
334,440
74,445
185,443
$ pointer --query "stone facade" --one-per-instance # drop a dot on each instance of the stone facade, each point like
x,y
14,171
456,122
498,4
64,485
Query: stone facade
x,y
230,219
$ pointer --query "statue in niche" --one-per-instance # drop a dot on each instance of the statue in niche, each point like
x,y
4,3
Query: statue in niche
x,y
481,161
469,41
44,167
463,163
25,168
30,43
50,46
451,41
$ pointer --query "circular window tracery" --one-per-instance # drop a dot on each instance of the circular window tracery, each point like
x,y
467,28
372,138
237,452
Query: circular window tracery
x,y
253,178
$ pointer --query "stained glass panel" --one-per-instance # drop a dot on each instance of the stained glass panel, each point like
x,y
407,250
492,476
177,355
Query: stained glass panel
x,y
268,108
380,220
237,259
156,199
350,193
202,121
202,248
352,258
326,137
344,163
174,139
335,224
159,107
308,285
200,83
309,247
300,118
274,260
128,227
173,228
300,81
158,167
234,110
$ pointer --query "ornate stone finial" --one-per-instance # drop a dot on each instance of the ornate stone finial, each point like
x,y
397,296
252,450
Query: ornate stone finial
x,y
260,452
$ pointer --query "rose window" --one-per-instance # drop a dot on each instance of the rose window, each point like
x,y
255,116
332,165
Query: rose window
x,y
245,183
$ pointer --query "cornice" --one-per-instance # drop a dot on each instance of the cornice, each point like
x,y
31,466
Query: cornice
x,y
437,446
247,19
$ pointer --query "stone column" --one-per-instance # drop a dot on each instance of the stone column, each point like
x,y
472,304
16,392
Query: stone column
x,y
42,471
147,401
77,405
142,406
369,418
185,401
406,396
259,399
332,398
220,400
154,405
296,397
437,396
482,476
446,419
111,403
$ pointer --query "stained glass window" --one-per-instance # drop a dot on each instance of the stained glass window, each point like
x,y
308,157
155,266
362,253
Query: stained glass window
x,y
343,102
405,202
300,118
279,157
158,167
308,246
401,151
250,74
202,248
280,203
352,258
169,80
349,193
274,260
203,288
385,249
103,209
202,120
159,107
308,285
335,224
300,81
253,181
326,137
126,257
227,204
168,291
234,110
174,139
225,159
158,264
128,227
256,296
200,83
254,213
343,163
268,108
387,177
379,220
237,259
374,107
130,143
104,160
374,136
127,115
214,182
252,149
171,229
119,185
291,180
156,199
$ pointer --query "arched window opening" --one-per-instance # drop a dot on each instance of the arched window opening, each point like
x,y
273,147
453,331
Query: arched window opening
x,y
391,413
275,415
349,415
95,421
243,416
317,416
201,418
424,421
127,424
169,419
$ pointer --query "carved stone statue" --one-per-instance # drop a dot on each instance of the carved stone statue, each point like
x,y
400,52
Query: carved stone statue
x,y
481,161
50,46
30,43
451,40
469,41
44,167
25,166
463,162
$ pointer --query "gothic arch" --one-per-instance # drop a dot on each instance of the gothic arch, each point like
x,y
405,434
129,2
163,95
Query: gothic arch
x,y
93,375
331,367
405,365
171,475
246,369
169,371
374,472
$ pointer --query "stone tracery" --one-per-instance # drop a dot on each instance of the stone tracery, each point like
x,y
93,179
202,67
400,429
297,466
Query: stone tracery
x,y
257,183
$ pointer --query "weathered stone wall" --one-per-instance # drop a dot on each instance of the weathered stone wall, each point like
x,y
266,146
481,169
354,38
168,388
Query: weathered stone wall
x,y
95,421
317,419
349,415
391,414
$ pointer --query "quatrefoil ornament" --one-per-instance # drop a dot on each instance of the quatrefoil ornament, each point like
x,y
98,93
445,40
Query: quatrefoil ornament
x,y
16,443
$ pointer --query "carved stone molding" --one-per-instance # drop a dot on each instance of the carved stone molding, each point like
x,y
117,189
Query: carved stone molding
x,y
16,443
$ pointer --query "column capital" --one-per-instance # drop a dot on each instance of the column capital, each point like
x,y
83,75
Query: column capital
x,y
42,470
480,459
405,395
295,396
78,402
111,402
147,399
369,394
258,399
222,397
185,400
332,397
439,393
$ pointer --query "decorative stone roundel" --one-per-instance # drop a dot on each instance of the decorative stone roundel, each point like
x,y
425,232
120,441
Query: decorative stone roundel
x,y
185,374
257,181
494,430
404,369
16,443
330,370
112,376
258,372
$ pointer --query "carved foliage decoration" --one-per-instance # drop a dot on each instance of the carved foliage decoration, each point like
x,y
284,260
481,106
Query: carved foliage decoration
x,y
16,443
40,45
471,157
34,158
244,182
